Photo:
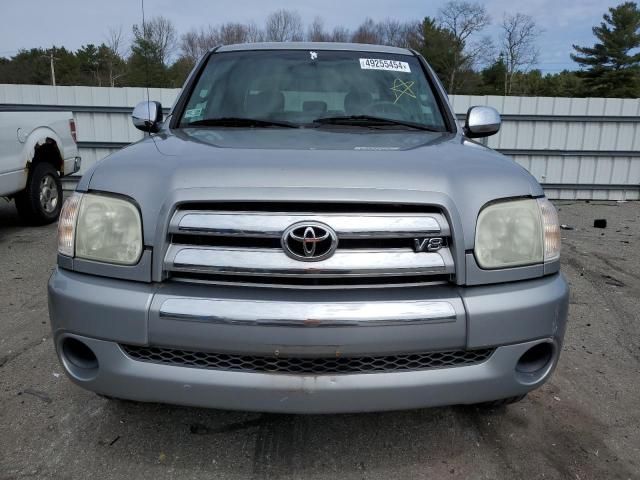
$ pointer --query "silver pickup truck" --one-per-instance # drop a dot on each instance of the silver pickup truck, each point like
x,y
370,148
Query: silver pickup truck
x,y
36,149
309,230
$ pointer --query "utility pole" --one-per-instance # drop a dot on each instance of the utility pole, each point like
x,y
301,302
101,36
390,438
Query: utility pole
x,y
53,69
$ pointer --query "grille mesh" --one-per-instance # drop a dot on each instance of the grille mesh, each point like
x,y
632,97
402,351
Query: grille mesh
x,y
310,366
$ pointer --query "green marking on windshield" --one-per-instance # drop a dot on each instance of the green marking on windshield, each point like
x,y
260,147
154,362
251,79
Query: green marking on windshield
x,y
401,88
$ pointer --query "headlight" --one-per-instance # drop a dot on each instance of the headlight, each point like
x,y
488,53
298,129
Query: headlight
x,y
100,228
518,232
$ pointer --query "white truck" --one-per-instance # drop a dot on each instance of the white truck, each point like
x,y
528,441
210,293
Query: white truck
x,y
36,150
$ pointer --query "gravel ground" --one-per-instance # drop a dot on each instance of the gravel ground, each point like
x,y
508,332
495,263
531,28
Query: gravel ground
x,y
583,424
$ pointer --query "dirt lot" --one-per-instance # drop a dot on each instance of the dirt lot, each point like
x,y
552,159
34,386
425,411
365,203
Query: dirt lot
x,y
584,424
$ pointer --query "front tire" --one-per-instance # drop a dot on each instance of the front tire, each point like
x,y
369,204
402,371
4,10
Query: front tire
x,y
41,201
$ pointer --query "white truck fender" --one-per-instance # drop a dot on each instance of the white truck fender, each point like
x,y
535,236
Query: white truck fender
x,y
39,137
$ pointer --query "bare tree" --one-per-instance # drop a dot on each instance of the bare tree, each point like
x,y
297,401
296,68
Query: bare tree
x,y
195,43
391,31
367,32
190,46
115,62
254,33
340,34
116,41
230,33
518,46
160,34
464,20
316,31
284,26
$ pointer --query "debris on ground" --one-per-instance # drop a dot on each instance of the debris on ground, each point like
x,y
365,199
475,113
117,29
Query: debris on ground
x,y
600,223
198,429
613,281
564,226
38,394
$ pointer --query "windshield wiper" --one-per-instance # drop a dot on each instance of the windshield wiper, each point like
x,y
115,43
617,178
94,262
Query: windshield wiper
x,y
240,122
372,121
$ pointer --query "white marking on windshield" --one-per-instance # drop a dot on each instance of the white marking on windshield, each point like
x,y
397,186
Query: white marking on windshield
x,y
382,64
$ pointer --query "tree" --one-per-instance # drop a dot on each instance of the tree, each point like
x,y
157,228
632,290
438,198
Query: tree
x,y
451,42
340,34
195,43
284,26
179,71
153,45
464,20
90,64
27,66
316,31
115,54
493,77
253,33
391,32
613,63
66,67
519,50
399,34
412,35
367,32
231,33
438,45
161,37
563,84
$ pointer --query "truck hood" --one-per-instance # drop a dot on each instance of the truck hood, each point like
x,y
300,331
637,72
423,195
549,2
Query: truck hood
x,y
310,165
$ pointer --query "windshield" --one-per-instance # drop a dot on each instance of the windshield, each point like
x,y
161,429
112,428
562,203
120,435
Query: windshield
x,y
301,87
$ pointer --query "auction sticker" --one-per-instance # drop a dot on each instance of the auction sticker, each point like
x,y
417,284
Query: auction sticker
x,y
380,64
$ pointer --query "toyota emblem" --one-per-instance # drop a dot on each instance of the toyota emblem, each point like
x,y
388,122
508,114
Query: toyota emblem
x,y
309,241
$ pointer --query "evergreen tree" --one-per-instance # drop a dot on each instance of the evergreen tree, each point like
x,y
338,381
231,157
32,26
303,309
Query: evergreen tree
x,y
439,48
146,65
613,63
493,77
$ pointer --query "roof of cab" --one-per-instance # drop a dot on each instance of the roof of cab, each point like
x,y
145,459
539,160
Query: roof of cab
x,y
358,47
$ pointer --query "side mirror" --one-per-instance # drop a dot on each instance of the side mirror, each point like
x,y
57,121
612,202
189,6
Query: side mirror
x,y
482,122
147,116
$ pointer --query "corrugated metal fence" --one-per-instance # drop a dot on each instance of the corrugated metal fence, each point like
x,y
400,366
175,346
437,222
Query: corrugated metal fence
x,y
578,148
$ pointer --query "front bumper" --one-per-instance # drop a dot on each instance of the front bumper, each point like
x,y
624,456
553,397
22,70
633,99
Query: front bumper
x,y
103,313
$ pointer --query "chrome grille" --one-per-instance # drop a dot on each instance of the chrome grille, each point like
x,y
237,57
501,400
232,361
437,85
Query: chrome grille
x,y
238,245
308,366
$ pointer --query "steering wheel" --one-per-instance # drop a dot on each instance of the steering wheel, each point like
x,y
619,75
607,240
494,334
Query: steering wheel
x,y
387,108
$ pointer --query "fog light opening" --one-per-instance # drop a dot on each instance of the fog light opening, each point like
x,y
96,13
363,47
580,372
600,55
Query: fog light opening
x,y
79,355
535,359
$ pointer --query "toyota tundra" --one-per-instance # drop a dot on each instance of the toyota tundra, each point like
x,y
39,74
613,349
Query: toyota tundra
x,y
309,230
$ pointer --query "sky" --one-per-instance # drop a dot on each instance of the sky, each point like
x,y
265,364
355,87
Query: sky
x,y
72,23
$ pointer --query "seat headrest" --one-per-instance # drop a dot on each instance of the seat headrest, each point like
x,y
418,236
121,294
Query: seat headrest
x,y
314,106
264,103
355,102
